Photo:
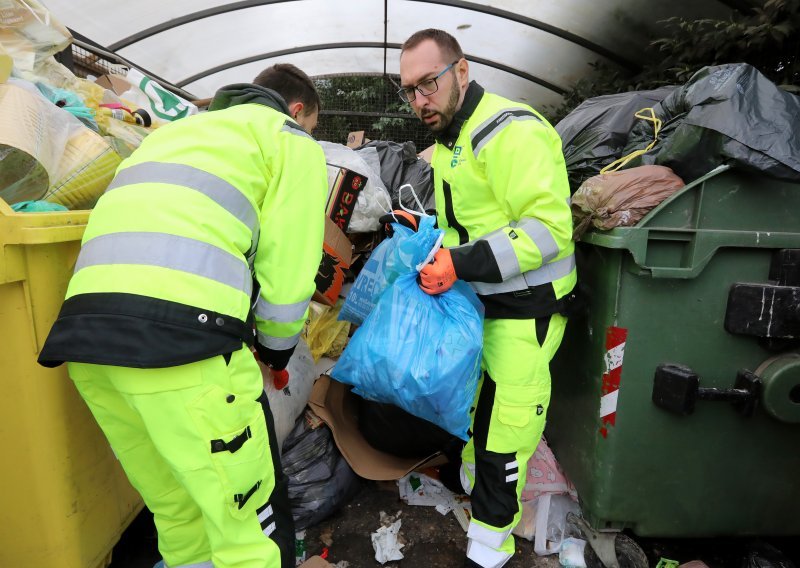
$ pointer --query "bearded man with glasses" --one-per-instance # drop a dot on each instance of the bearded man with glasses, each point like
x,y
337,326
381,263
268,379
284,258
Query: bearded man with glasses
x,y
503,201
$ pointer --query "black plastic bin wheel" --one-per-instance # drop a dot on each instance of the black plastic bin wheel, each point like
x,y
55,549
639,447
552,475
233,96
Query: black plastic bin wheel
x,y
629,554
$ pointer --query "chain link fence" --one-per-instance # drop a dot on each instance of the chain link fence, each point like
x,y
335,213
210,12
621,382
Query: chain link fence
x,y
369,103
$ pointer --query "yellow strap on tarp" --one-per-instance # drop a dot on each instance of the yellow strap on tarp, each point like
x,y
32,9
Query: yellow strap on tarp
x,y
650,116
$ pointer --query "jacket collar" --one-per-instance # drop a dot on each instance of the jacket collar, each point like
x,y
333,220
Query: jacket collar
x,y
472,97
243,93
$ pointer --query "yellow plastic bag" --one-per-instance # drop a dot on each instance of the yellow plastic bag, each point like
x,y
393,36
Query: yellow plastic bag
x,y
325,335
30,34
86,168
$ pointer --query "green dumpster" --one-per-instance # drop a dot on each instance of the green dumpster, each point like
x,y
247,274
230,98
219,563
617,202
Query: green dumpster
x,y
676,400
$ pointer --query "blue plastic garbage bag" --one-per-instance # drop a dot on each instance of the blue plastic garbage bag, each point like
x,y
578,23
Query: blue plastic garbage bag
x,y
419,352
371,281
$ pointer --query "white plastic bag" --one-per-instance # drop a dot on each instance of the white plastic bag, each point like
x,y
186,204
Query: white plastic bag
x,y
372,200
30,34
288,404
162,105
551,522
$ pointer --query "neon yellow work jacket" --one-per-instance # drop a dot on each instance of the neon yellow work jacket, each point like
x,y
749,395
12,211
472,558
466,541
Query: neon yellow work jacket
x,y
502,198
211,214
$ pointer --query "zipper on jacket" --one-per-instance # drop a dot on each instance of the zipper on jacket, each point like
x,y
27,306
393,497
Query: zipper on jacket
x,y
463,235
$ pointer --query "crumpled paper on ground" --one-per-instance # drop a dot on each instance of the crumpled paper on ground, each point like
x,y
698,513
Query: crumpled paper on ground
x,y
420,489
386,540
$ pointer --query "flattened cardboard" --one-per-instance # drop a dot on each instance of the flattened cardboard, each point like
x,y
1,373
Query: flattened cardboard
x,y
427,153
315,562
336,405
116,83
337,255
356,139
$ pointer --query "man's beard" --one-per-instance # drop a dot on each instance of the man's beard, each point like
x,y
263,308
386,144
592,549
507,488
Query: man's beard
x,y
447,113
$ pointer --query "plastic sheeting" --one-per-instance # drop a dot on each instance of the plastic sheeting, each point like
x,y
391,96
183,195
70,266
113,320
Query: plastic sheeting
x,y
594,134
204,44
724,114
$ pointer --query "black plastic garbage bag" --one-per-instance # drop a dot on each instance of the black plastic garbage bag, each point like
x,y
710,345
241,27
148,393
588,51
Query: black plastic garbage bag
x,y
595,133
400,165
320,480
391,429
724,114
764,555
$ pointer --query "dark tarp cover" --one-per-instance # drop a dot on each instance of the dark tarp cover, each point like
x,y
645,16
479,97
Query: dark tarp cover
x,y
594,134
723,114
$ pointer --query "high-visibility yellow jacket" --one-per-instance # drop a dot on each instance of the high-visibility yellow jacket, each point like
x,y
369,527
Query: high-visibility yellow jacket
x,y
211,214
502,198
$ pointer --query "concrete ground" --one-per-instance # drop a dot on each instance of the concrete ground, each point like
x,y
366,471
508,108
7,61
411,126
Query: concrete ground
x,y
436,541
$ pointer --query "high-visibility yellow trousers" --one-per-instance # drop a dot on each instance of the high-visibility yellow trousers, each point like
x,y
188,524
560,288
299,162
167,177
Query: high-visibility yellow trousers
x,y
507,423
197,441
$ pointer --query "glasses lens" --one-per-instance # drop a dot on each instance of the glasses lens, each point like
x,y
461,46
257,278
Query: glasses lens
x,y
406,95
428,87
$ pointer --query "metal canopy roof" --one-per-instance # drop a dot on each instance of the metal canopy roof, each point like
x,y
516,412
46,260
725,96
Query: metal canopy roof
x,y
530,50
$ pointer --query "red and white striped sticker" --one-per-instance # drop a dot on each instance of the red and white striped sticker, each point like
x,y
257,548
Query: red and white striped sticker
x,y
615,351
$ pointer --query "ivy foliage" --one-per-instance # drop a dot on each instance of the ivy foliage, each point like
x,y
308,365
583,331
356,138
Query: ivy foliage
x,y
765,34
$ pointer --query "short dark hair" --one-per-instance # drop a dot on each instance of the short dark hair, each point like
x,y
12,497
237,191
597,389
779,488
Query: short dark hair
x,y
290,83
447,43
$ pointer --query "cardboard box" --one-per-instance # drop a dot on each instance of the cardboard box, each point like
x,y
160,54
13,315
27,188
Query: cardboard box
x,y
337,255
116,83
343,188
336,405
356,139
427,153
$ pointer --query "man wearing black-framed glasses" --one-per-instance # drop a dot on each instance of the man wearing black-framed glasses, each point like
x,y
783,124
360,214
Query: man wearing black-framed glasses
x,y
502,198
425,87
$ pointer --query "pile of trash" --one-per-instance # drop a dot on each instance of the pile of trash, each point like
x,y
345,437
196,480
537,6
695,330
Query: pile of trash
x,y
62,136
725,114
381,406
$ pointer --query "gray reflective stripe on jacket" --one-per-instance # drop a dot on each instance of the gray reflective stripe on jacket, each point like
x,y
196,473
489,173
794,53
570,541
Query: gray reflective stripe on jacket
x,y
282,313
492,126
277,343
505,255
540,235
294,128
167,251
503,252
546,273
224,194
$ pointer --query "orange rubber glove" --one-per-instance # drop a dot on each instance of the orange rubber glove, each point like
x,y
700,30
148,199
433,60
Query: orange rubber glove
x,y
399,216
440,275
279,378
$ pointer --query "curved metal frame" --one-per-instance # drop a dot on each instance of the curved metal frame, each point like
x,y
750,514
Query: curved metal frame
x,y
504,14
461,4
356,45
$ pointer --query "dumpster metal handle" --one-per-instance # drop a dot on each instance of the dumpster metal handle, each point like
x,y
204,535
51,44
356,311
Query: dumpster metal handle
x,y
676,389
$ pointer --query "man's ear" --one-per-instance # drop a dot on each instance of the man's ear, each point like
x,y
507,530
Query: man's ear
x,y
295,109
462,68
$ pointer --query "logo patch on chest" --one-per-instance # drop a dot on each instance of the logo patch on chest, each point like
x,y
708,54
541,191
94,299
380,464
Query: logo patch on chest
x,y
456,154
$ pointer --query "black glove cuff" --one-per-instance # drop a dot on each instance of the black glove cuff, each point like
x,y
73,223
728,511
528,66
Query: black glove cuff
x,y
276,359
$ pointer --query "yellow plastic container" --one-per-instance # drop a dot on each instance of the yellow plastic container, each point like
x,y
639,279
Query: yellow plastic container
x,y
64,499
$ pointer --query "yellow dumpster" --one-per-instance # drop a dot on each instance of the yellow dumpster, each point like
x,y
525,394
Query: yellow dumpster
x,y
65,499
